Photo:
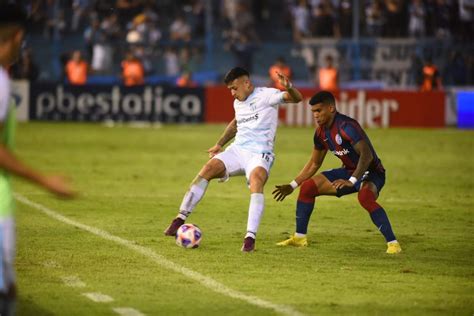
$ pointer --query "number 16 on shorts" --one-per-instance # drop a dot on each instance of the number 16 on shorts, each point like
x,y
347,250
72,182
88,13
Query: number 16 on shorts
x,y
267,157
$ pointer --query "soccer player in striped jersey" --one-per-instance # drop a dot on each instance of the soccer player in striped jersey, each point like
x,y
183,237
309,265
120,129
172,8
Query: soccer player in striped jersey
x,y
12,21
251,153
362,171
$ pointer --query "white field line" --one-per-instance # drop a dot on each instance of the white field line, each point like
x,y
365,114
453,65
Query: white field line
x,y
98,297
93,195
73,281
204,280
51,264
127,311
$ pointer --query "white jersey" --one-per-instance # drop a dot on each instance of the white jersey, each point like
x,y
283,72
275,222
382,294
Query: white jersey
x,y
257,120
4,93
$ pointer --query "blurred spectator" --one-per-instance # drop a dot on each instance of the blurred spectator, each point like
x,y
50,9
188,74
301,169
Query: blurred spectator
x,y
187,61
92,34
185,80
77,69
136,41
466,19
171,60
456,69
80,8
393,26
345,18
102,45
25,67
143,38
443,19
244,24
324,22
151,12
137,29
430,7
133,73
431,77
111,27
127,9
180,30
279,66
243,51
328,77
151,33
55,23
417,12
197,18
142,53
228,11
301,21
374,19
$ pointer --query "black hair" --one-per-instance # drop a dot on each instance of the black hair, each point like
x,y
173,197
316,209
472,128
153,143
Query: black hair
x,y
235,73
12,14
324,97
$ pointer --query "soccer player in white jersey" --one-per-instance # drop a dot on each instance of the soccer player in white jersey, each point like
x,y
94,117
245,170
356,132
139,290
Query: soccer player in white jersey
x,y
251,153
12,21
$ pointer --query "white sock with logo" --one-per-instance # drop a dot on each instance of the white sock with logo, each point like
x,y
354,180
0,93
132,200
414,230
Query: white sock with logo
x,y
257,204
192,197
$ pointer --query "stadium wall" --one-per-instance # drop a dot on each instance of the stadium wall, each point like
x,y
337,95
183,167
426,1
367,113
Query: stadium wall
x,y
157,103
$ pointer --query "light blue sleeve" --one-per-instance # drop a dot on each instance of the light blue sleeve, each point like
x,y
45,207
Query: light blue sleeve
x,y
275,96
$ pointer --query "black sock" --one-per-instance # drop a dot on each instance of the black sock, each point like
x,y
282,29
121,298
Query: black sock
x,y
380,219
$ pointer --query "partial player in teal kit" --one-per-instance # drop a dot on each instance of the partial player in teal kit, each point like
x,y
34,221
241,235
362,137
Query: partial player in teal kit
x,y
12,25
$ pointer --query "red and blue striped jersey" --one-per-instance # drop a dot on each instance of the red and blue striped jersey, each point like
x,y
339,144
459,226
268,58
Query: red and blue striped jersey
x,y
340,139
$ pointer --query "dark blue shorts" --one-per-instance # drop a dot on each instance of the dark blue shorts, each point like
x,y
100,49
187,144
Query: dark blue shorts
x,y
377,178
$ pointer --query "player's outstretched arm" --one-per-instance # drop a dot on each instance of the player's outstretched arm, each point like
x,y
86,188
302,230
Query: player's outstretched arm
x,y
311,167
291,95
228,134
55,184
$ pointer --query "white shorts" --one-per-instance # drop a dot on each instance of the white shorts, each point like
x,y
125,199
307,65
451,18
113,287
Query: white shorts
x,y
7,253
239,161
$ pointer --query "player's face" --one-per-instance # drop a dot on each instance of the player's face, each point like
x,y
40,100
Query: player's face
x,y
323,113
240,88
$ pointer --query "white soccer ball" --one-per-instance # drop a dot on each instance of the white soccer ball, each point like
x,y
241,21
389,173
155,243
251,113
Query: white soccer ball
x,y
188,236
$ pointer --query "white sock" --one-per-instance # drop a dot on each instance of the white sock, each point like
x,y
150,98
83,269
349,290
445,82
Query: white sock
x,y
192,197
300,235
257,204
251,235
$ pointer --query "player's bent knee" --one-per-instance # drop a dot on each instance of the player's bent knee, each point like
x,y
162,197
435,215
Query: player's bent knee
x,y
308,191
367,200
259,175
257,180
213,169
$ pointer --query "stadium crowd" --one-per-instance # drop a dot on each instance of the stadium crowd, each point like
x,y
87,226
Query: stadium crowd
x,y
383,18
172,33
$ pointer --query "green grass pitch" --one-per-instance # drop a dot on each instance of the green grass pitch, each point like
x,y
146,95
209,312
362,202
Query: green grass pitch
x,y
132,181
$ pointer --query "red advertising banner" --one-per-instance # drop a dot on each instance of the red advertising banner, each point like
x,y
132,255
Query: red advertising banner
x,y
219,105
370,108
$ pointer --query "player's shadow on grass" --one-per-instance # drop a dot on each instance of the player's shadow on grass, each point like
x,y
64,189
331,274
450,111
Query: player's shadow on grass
x,y
27,307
